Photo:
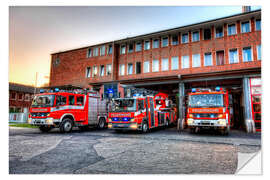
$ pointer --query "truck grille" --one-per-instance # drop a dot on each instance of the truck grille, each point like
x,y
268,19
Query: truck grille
x,y
205,115
39,114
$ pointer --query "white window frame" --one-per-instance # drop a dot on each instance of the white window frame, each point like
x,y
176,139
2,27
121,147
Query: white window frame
x,y
237,55
251,48
215,29
128,51
108,49
89,55
121,49
15,96
127,68
145,46
26,95
101,47
95,71
249,26
256,25
19,97
211,59
89,72
235,29
136,46
210,34
182,60
162,65
258,51
193,60
167,39
154,43
120,69
148,71
182,38
107,70
94,50
172,62
101,71
177,35
192,40
156,60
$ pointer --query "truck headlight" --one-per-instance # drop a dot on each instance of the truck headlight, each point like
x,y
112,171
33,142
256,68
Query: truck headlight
x,y
49,121
222,122
190,121
133,126
132,119
109,125
29,120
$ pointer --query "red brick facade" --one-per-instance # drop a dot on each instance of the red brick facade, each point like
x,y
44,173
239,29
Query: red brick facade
x,y
72,65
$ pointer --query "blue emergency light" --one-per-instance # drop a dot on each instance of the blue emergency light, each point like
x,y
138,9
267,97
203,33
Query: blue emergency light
x,y
212,116
125,119
56,89
193,90
110,90
41,91
217,88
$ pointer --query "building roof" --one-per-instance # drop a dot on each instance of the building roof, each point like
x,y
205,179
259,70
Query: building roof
x,y
22,88
213,21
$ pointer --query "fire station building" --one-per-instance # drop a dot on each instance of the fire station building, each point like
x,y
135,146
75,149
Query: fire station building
x,y
223,52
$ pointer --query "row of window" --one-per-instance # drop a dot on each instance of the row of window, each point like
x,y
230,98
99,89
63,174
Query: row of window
x,y
19,96
196,61
219,32
93,72
195,36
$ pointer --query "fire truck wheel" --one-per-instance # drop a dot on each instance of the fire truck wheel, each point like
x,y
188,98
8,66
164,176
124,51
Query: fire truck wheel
x,y
101,123
144,127
45,128
66,125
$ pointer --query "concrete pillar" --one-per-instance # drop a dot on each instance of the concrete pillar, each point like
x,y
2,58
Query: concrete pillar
x,y
181,119
250,125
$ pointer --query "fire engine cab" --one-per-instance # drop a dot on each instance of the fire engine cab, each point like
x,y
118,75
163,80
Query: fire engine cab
x,y
66,109
140,113
208,109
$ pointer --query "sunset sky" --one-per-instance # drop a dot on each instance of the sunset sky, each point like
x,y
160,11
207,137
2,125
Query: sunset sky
x,y
36,32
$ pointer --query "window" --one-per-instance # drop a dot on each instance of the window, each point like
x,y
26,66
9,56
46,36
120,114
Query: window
x,y
174,40
89,53
61,100
175,63
185,38
140,105
130,48
207,34
219,32
94,71
138,67
146,45
233,56
156,43
108,69
185,62
231,29
27,97
71,100
79,100
196,60
123,49
101,72
122,70
259,52
208,59
245,27
56,62
165,64
165,41
102,50
195,36
130,68
95,52
258,24
138,46
220,58
247,56
88,72
13,96
20,96
155,65
146,66
109,50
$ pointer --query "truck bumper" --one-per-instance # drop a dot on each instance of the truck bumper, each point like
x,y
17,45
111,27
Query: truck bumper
x,y
218,124
124,126
44,121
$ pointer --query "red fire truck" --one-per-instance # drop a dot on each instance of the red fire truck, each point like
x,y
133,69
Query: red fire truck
x,y
208,109
140,113
66,109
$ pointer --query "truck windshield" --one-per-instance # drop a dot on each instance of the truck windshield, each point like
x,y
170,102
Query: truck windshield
x,y
43,101
206,100
123,105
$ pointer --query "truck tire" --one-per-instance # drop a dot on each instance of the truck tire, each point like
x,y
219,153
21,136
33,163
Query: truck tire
x,y
66,125
45,128
145,127
101,123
